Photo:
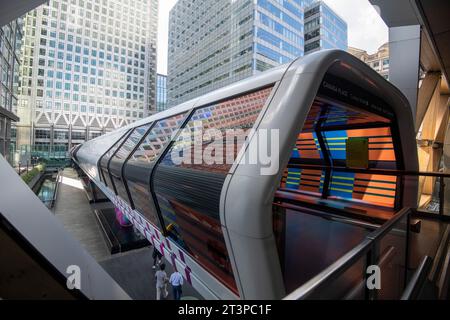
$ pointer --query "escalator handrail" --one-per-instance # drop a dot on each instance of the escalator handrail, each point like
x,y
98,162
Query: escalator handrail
x,y
417,281
332,217
55,193
333,272
389,225
383,172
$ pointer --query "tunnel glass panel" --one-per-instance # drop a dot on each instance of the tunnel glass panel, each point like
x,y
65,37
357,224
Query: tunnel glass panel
x,y
138,168
322,180
311,168
377,190
105,160
306,180
117,161
381,146
307,244
188,184
392,260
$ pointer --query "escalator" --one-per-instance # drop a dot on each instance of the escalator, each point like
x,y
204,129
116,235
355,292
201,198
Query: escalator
x,y
314,240
39,258
310,240
431,278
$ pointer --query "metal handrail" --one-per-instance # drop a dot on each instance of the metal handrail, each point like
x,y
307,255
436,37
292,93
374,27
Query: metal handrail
x,y
385,258
55,193
384,172
415,285
331,273
387,172
336,269
389,225
332,217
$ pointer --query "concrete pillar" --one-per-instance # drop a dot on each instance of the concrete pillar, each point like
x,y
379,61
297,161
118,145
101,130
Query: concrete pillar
x,y
69,142
52,138
404,52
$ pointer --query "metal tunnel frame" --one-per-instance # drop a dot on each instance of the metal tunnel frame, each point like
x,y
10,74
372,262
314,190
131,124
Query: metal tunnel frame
x,y
245,207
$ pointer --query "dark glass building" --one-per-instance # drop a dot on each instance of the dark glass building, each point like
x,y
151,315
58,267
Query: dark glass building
x,y
324,29
215,43
10,43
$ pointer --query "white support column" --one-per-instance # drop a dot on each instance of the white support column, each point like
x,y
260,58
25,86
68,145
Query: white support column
x,y
404,51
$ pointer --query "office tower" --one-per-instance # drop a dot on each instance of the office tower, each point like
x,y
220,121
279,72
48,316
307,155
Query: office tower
x,y
214,43
324,29
161,92
379,60
10,43
89,67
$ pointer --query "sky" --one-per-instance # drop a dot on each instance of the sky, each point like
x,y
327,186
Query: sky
x,y
366,30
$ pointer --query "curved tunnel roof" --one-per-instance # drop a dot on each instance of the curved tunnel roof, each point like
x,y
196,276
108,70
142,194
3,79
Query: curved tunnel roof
x,y
244,198
335,62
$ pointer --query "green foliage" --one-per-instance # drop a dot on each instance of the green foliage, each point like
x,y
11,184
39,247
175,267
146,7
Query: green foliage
x,y
29,176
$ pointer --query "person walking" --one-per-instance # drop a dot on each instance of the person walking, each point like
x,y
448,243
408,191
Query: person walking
x,y
161,282
176,280
157,256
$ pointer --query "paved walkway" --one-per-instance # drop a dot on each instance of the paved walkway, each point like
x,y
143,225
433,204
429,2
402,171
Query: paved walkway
x,y
132,270
75,213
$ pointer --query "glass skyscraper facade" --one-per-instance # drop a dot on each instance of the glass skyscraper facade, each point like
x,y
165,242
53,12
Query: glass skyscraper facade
x,y
161,92
324,29
10,43
88,68
215,43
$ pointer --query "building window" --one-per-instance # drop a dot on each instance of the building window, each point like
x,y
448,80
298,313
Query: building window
x,y
77,135
42,134
61,135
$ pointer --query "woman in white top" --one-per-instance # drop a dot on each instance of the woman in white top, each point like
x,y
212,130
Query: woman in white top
x,y
161,282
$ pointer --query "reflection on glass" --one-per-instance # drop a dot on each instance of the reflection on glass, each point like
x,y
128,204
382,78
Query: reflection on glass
x,y
333,122
392,261
105,160
188,194
121,155
140,164
308,244
381,146
131,142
